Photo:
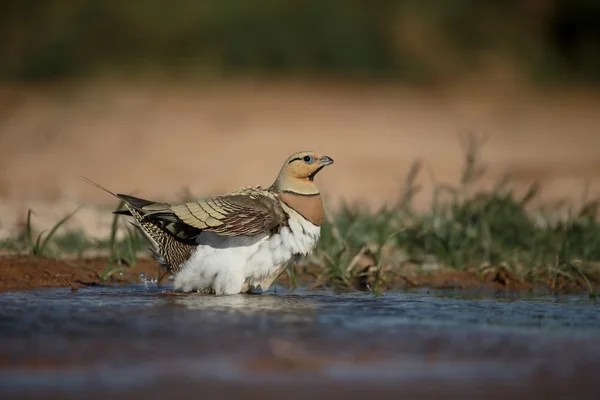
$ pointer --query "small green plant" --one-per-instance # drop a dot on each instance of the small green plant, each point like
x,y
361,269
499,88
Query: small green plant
x,y
114,229
108,271
116,263
591,289
40,245
126,250
119,255
379,259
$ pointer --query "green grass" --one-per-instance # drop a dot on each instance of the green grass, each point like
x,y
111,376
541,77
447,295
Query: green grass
x,y
465,228
109,270
40,245
123,253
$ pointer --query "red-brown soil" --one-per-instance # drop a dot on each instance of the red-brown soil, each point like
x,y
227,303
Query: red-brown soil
x,y
21,272
27,272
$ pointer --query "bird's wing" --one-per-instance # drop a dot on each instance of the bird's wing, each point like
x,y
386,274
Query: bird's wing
x,y
247,212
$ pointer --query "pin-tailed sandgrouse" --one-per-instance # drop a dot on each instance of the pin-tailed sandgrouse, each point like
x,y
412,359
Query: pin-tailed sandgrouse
x,y
239,241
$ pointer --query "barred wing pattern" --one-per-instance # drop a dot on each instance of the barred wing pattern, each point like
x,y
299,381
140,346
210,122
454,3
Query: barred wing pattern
x,y
248,212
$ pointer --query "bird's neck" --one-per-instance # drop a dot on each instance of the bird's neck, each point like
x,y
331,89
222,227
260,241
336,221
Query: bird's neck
x,y
309,206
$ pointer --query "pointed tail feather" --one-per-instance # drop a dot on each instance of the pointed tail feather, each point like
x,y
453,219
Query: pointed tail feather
x,y
89,181
132,201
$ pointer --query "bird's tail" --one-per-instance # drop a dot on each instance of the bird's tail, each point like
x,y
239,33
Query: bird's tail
x,y
134,208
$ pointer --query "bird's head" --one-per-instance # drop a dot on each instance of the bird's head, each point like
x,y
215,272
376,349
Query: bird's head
x,y
298,172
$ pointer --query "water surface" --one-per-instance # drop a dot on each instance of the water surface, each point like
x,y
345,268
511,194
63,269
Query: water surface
x,y
137,341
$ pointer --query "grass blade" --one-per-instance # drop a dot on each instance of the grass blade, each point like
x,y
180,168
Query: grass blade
x,y
28,232
592,292
114,228
44,244
36,248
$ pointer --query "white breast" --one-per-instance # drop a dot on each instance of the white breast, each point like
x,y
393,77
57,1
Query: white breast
x,y
229,265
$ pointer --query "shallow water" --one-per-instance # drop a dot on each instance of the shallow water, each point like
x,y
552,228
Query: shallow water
x,y
136,341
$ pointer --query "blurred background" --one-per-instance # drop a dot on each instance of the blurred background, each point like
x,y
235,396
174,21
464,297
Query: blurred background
x,y
172,99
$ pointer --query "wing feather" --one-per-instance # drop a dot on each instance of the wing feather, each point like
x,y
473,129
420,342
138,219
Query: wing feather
x,y
244,213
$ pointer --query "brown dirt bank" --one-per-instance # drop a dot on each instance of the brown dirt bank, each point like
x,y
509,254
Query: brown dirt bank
x,y
21,272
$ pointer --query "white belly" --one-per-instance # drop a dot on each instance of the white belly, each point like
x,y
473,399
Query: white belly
x,y
230,265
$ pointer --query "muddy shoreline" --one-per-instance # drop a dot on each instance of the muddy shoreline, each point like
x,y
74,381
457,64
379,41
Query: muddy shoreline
x,y
24,272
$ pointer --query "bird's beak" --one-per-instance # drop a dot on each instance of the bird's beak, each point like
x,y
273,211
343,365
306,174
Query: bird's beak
x,y
325,161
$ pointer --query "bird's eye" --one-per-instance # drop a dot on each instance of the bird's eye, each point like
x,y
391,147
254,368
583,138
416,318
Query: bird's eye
x,y
309,159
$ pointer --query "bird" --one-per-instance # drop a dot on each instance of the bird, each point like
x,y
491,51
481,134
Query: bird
x,y
238,242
